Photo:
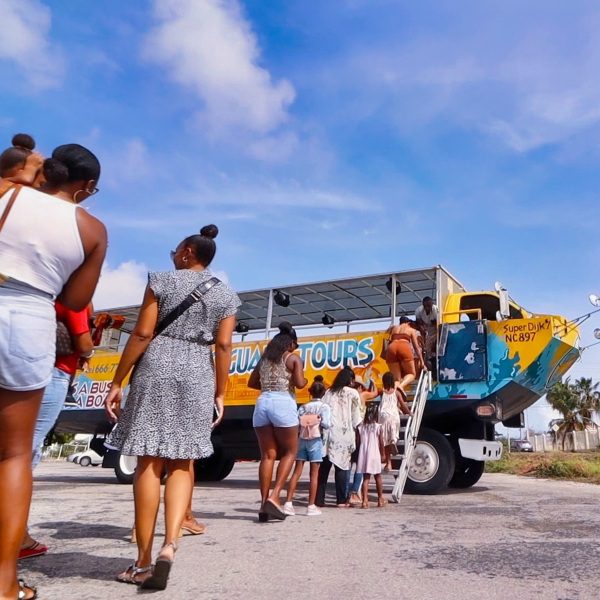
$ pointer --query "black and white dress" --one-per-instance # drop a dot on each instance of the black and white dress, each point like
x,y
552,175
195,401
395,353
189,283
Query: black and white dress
x,y
169,408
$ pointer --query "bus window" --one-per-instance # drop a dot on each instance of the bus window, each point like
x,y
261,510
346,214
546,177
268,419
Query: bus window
x,y
489,305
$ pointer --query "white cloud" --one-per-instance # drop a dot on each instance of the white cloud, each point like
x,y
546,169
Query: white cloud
x,y
209,46
24,41
122,286
129,162
527,84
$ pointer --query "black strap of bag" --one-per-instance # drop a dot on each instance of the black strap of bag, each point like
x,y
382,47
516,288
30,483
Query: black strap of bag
x,y
189,301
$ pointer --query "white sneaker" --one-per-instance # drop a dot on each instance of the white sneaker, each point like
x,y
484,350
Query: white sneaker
x,y
288,509
313,511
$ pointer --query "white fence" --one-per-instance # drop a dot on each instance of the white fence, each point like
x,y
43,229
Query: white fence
x,y
579,441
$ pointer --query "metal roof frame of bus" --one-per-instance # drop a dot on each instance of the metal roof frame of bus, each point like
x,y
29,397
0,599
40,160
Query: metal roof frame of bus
x,y
348,300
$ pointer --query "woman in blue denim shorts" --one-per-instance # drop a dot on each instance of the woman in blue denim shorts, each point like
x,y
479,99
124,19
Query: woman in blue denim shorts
x,y
48,247
275,418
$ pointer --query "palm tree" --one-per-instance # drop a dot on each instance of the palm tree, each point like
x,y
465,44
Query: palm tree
x,y
577,404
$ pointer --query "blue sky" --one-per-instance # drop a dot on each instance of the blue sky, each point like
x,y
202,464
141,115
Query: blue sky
x,y
327,139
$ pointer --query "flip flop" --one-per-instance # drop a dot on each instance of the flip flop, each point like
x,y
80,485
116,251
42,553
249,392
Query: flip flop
x,y
160,574
274,511
36,549
24,588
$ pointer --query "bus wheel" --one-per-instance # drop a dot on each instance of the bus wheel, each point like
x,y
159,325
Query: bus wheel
x,y
125,468
467,472
432,464
214,468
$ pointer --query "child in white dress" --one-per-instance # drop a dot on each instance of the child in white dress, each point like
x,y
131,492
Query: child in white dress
x,y
370,454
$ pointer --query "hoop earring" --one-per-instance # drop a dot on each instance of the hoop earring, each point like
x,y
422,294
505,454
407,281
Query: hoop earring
x,y
75,195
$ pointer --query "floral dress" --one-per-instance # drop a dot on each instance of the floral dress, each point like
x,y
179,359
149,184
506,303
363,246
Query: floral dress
x,y
340,438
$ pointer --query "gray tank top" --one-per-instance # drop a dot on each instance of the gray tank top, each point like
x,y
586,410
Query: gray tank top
x,y
275,377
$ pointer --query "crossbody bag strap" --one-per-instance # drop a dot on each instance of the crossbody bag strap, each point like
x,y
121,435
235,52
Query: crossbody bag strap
x,y
189,301
9,205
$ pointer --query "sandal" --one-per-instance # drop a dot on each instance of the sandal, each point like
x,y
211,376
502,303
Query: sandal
x,y
273,510
263,516
131,572
36,549
193,527
160,574
24,589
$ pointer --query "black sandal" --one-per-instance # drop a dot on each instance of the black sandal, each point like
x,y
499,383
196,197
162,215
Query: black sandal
x,y
274,511
23,589
160,574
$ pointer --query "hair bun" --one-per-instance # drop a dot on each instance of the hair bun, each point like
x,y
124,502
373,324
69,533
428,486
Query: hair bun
x,y
23,140
318,379
286,327
55,172
210,231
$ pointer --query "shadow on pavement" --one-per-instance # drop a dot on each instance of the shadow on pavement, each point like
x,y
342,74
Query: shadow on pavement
x,y
76,564
73,530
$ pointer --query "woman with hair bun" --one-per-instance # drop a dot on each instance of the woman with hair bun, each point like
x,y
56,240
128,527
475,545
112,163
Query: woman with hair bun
x,y
275,418
49,248
19,163
175,387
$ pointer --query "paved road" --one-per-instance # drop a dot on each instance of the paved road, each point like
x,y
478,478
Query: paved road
x,y
508,538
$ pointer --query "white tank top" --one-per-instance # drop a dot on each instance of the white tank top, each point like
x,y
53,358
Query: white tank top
x,y
40,243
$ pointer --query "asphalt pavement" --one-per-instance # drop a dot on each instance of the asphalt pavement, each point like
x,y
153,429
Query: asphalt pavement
x,y
509,537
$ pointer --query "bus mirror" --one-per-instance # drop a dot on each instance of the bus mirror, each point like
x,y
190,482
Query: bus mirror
x,y
504,301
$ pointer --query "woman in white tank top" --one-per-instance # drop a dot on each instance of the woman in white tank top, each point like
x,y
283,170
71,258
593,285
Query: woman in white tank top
x,y
48,248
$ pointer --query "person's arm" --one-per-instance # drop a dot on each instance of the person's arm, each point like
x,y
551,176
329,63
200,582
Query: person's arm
x,y
325,413
367,396
78,326
414,338
381,445
254,380
138,341
79,289
356,416
296,366
222,363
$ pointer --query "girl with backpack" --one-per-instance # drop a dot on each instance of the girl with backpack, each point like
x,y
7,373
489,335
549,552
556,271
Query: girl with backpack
x,y
314,416
370,454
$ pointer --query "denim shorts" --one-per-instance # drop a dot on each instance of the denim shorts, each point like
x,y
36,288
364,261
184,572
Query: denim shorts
x,y
275,408
27,338
310,450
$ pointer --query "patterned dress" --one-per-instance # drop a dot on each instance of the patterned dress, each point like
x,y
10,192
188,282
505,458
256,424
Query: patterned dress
x,y
389,417
340,439
169,408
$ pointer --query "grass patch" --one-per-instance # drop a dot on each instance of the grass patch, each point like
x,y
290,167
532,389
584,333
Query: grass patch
x,y
580,466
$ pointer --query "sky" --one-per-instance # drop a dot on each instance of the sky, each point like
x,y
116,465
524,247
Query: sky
x,y
328,139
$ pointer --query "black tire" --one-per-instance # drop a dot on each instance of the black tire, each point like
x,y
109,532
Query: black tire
x,y
125,469
432,464
214,468
466,473
85,461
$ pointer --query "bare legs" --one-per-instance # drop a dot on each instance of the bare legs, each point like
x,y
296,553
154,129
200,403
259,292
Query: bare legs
x,y
404,373
293,484
18,412
389,452
365,490
146,491
271,439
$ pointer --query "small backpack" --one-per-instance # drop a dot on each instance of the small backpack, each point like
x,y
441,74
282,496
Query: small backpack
x,y
310,426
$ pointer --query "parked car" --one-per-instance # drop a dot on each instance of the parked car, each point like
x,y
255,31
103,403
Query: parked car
x,y
73,457
521,446
89,457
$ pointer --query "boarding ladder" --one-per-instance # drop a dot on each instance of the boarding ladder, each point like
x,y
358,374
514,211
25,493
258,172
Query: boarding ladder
x,y
409,430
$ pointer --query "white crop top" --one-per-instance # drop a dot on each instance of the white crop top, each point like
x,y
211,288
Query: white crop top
x,y
40,243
